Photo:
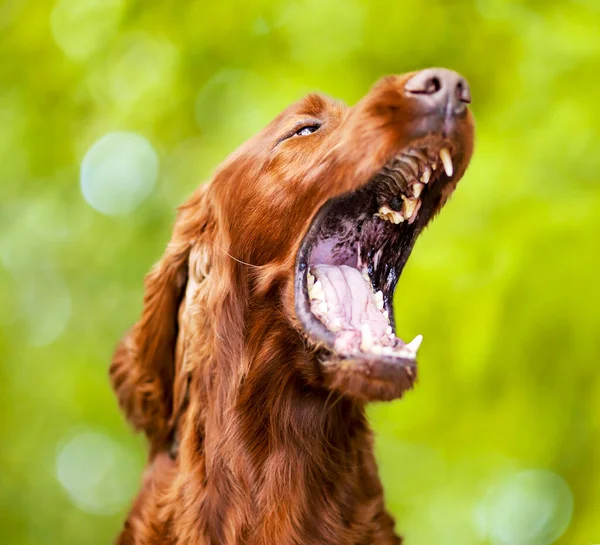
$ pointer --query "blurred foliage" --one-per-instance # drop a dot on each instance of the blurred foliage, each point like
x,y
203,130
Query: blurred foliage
x,y
500,443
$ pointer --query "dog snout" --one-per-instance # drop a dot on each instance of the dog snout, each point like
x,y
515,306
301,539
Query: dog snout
x,y
441,90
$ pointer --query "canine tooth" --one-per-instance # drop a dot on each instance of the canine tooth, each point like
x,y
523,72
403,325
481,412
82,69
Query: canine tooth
x,y
417,189
409,206
379,300
310,281
366,342
413,345
447,161
426,176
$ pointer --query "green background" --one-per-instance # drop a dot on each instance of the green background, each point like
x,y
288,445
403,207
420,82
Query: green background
x,y
499,444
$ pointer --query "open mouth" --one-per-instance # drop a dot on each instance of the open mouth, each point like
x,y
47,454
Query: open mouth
x,y
353,254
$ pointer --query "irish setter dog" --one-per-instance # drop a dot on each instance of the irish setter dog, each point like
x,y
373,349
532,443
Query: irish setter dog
x,y
268,323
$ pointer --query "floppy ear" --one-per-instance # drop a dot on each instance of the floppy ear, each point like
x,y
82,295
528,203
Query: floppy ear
x,y
143,370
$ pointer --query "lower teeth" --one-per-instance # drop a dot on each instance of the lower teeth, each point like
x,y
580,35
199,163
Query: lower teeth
x,y
368,330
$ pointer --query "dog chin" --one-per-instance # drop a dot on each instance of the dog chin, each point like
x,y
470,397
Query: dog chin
x,y
369,379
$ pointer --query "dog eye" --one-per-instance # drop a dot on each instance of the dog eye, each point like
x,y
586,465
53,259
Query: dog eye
x,y
308,129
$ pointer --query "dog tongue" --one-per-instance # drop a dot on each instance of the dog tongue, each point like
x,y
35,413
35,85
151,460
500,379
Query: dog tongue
x,y
348,304
342,298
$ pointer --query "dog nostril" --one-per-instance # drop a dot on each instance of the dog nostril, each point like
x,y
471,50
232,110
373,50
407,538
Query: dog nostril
x,y
427,85
433,86
463,92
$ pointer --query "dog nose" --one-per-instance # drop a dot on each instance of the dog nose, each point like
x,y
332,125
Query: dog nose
x,y
440,89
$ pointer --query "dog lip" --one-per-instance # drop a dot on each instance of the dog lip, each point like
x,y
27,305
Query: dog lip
x,y
383,368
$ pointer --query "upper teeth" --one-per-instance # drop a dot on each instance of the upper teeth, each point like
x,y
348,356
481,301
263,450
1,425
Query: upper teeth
x,y
417,189
409,206
447,161
386,213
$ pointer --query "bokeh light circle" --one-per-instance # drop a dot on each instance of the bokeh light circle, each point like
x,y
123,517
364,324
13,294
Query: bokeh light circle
x,y
98,473
531,507
118,172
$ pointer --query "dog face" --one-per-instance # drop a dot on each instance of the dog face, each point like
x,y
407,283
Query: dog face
x,y
333,198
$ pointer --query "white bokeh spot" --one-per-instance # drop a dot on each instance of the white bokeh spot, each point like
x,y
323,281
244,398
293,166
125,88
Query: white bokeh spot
x,y
531,507
118,172
99,475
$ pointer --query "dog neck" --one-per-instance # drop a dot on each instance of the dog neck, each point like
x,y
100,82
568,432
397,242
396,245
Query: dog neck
x,y
273,452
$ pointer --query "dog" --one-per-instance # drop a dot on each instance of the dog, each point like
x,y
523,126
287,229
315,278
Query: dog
x,y
268,323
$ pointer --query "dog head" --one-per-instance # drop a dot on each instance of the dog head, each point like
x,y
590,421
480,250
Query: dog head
x,y
298,243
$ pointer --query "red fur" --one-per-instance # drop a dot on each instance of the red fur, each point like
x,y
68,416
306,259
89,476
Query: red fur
x,y
271,448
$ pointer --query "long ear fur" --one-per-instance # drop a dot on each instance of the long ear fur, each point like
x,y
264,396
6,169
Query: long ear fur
x,y
143,370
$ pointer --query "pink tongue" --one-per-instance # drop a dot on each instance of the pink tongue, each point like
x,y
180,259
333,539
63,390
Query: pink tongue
x,y
349,297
